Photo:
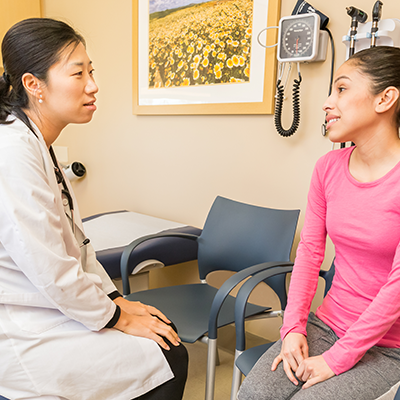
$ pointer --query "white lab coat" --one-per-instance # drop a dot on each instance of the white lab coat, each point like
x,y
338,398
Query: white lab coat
x,y
53,293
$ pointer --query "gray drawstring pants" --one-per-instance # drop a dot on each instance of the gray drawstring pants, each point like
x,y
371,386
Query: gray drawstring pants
x,y
369,379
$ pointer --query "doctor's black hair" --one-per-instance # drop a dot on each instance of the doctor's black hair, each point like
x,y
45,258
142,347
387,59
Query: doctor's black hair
x,y
30,46
382,65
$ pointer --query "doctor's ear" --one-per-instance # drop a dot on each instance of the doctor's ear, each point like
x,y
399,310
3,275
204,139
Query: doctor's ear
x,y
32,85
387,99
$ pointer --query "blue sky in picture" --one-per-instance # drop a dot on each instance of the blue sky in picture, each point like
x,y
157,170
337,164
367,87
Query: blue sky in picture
x,y
162,5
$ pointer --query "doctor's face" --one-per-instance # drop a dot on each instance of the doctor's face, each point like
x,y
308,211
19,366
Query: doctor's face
x,y
69,94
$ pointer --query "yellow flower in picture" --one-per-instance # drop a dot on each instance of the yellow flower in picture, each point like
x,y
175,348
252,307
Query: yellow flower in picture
x,y
241,61
196,74
218,74
205,62
229,63
197,59
186,82
235,60
180,65
247,72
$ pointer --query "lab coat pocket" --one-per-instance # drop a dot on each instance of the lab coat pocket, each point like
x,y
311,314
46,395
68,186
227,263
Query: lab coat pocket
x,y
35,320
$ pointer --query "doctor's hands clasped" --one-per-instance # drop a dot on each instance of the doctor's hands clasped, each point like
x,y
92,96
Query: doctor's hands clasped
x,y
138,319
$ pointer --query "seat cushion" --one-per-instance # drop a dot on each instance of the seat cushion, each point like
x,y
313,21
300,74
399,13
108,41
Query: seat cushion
x,y
188,307
248,358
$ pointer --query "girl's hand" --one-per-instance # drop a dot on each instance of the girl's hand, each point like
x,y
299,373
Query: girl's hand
x,y
294,351
314,370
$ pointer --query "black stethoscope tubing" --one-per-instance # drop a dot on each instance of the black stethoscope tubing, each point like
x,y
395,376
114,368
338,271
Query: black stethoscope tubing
x,y
65,191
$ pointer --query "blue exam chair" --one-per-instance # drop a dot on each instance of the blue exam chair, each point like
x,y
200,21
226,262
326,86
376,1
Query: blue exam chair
x,y
236,237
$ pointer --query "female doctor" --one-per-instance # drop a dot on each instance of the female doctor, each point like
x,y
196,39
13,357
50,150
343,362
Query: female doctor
x,y
65,331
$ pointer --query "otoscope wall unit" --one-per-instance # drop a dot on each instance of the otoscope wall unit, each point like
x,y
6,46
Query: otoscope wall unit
x,y
387,35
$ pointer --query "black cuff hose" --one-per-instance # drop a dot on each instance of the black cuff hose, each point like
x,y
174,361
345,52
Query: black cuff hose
x,y
296,108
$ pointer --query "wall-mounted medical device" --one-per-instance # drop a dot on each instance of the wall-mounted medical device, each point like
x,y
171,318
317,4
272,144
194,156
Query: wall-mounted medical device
x,y
301,40
388,34
74,171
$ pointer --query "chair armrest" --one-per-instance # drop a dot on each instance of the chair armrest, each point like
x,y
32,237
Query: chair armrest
x,y
227,287
132,246
244,293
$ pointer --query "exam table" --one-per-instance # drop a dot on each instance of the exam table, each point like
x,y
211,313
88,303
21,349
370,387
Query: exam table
x,y
111,232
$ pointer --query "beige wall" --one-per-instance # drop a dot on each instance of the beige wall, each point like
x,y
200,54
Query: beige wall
x,y
174,166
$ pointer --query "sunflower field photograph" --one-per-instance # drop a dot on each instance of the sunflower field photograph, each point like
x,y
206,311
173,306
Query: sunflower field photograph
x,y
199,42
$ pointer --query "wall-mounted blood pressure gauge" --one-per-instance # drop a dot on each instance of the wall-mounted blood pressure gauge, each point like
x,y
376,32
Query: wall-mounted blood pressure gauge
x,y
298,38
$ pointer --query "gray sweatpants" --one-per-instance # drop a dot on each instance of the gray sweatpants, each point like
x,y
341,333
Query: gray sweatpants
x,y
370,378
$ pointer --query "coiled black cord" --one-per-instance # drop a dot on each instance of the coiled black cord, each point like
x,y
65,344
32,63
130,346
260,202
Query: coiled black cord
x,y
296,108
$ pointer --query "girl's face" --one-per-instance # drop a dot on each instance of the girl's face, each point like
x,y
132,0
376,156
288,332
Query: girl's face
x,y
350,108
69,95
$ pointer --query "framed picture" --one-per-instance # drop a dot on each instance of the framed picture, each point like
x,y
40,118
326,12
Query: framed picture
x,y
204,57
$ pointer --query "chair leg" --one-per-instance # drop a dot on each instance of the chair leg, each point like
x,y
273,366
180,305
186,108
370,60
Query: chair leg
x,y
211,364
236,377
204,339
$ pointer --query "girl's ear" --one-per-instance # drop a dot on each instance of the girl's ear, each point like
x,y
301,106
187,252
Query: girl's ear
x,y
387,99
31,85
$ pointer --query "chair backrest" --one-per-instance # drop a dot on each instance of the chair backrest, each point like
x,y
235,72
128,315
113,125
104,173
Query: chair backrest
x,y
328,276
238,235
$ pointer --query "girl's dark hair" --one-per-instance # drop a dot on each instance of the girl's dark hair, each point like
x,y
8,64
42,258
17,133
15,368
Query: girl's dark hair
x,y
382,65
30,46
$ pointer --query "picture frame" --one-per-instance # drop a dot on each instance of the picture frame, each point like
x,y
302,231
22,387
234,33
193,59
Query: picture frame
x,y
252,93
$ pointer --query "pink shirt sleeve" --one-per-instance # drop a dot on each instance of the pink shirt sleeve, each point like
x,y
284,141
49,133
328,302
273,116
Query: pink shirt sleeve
x,y
371,326
310,254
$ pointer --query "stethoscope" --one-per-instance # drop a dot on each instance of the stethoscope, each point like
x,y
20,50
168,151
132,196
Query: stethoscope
x,y
65,191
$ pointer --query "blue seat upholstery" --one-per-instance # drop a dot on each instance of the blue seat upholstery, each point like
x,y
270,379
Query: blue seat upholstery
x,y
237,237
169,251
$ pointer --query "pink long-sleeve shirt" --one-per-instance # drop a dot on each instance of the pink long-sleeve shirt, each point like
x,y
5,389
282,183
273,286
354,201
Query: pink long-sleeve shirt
x,y
363,221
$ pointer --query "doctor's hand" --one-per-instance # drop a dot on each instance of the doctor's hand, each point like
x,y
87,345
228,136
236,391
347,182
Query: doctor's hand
x,y
314,370
293,352
147,326
138,308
